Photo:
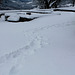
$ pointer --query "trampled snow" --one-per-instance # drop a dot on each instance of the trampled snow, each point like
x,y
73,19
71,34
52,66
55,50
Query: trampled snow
x,y
43,46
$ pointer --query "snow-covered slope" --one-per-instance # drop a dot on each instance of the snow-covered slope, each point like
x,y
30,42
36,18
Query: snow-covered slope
x,y
44,46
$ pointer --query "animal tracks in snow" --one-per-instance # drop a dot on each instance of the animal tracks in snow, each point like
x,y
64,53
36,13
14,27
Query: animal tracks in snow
x,y
26,50
35,41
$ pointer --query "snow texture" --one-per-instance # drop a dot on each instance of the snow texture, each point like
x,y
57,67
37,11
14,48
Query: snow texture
x,y
44,46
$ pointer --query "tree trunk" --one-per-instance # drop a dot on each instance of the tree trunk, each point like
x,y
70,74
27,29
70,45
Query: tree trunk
x,y
73,2
0,1
46,4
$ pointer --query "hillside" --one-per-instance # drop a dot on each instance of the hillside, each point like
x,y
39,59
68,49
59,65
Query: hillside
x,y
15,4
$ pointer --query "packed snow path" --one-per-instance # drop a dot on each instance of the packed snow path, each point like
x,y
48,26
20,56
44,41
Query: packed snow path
x,y
44,46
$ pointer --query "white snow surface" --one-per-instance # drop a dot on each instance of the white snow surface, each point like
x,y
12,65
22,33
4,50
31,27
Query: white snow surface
x,y
13,18
44,46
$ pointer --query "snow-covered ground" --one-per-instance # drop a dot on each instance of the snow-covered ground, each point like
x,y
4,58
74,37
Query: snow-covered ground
x,y
44,46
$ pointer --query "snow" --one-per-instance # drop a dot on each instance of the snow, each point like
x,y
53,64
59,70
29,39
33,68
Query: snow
x,y
29,3
13,18
70,8
43,46
2,18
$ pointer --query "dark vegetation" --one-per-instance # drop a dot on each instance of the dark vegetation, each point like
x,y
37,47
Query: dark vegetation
x,y
46,4
43,4
64,10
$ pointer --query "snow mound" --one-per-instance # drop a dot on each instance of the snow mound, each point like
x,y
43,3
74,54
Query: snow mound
x,y
13,18
2,18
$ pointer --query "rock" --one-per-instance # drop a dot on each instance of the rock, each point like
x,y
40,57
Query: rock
x,y
28,13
